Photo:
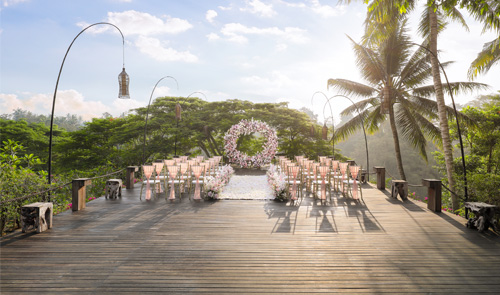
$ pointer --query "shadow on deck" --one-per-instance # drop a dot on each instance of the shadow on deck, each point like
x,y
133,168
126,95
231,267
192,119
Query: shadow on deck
x,y
126,245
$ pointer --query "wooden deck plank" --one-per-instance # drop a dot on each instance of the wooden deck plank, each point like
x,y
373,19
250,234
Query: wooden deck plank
x,y
128,246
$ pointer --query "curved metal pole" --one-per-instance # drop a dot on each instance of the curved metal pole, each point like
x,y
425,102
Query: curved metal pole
x,y
466,195
147,113
197,92
364,133
177,127
57,84
333,125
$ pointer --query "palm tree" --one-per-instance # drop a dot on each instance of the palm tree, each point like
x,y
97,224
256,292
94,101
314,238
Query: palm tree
x,y
382,16
487,13
396,76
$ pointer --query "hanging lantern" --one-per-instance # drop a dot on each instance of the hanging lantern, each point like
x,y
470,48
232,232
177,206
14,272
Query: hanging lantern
x,y
312,131
325,132
178,110
123,80
386,100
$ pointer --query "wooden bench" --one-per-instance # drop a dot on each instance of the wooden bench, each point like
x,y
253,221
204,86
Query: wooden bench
x,y
399,187
37,215
484,215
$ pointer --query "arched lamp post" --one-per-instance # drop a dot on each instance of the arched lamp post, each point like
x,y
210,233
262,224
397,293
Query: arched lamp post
x,y
178,110
466,195
362,125
147,114
324,126
123,80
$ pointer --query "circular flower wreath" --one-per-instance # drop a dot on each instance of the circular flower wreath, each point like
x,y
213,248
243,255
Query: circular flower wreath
x,y
246,127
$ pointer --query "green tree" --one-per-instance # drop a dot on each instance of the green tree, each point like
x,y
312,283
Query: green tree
x,y
396,77
432,22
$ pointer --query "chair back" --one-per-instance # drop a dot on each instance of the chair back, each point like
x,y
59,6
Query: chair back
x,y
173,170
354,170
343,168
148,170
158,167
293,171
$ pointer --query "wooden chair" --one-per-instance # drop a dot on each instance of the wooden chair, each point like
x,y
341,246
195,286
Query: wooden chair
x,y
335,176
312,177
147,172
173,171
322,182
197,171
158,177
293,182
353,183
344,170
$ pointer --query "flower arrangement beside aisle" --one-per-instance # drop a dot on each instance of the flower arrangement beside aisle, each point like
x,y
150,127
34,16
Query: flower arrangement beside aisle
x,y
276,180
215,184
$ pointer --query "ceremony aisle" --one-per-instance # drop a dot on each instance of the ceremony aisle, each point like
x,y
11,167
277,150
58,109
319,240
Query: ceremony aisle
x,y
247,187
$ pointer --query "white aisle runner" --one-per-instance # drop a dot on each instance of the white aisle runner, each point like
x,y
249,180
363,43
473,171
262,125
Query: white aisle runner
x,y
247,187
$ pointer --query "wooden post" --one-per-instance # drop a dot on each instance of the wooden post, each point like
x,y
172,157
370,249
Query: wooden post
x,y
129,180
433,194
79,193
380,177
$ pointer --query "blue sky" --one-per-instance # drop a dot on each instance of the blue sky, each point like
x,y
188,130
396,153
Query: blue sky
x,y
256,50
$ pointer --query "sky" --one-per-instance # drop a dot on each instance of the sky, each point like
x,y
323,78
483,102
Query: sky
x,y
255,50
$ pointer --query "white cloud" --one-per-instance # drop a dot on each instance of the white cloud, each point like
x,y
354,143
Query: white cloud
x,y
213,37
259,8
236,32
274,85
281,47
155,49
133,22
296,5
210,15
224,8
322,10
326,10
161,91
7,3
68,101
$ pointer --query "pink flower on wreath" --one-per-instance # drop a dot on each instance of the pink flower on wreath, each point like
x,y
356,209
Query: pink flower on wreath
x,y
247,127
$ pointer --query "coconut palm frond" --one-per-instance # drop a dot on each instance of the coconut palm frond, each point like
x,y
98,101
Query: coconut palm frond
x,y
424,25
431,131
357,106
455,15
411,132
425,106
465,87
349,128
374,120
372,68
347,87
489,56
486,12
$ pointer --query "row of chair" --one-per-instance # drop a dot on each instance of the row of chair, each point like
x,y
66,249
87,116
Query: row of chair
x,y
178,175
318,178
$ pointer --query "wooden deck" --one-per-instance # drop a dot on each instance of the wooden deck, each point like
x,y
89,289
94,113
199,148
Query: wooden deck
x,y
129,246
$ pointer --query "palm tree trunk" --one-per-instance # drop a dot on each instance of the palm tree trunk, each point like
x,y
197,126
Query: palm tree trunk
x,y
443,119
397,148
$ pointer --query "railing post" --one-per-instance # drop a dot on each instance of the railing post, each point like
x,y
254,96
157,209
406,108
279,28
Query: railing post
x,y
129,179
79,193
380,177
433,194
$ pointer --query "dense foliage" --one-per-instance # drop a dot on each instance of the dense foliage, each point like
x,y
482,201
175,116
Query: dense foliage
x,y
482,144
